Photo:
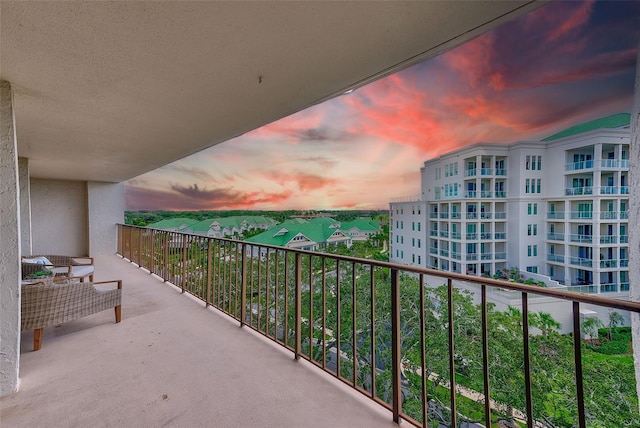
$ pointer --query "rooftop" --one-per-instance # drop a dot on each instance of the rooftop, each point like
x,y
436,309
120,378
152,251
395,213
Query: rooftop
x,y
609,122
173,362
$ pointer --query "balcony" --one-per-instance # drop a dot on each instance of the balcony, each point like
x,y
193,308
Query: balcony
x,y
557,258
500,235
577,215
581,238
171,361
555,215
501,172
580,261
471,194
608,215
501,215
470,172
501,194
576,191
456,215
608,190
608,239
577,166
608,264
486,171
555,236
188,362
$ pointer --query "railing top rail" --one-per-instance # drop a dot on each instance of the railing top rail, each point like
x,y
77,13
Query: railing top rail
x,y
513,286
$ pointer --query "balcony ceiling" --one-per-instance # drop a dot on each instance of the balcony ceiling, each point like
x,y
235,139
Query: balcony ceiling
x,y
108,91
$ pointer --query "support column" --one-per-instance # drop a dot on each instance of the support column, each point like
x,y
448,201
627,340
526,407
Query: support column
x,y
634,217
25,206
9,246
105,209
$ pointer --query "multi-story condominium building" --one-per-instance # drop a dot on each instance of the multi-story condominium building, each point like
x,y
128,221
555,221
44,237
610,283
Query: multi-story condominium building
x,y
554,209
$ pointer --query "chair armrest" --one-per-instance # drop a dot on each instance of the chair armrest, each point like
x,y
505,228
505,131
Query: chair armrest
x,y
86,260
119,281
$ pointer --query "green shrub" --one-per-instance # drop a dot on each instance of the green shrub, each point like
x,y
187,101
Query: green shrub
x,y
615,347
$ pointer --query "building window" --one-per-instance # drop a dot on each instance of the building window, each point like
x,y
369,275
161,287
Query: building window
x,y
413,242
413,258
538,186
532,209
532,269
413,225
419,260
539,163
418,226
527,163
527,186
418,242
532,229
532,250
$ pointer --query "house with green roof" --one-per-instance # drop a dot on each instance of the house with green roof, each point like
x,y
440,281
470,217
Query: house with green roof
x,y
222,227
304,235
178,224
361,229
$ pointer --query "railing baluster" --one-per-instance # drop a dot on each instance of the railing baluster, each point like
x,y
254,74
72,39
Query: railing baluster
x,y
354,334
276,294
485,357
324,313
209,260
396,355
527,364
260,292
577,356
452,362
311,320
267,286
372,362
286,299
298,307
423,359
243,290
338,306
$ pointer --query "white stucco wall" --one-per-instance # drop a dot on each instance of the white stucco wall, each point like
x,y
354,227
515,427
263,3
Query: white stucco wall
x,y
25,205
59,217
106,209
9,246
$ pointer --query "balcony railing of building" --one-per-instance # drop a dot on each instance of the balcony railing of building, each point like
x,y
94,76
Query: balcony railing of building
x,y
472,236
624,215
501,172
486,235
433,250
444,253
614,163
608,215
624,286
555,215
486,256
501,215
455,255
501,256
581,215
610,287
575,166
371,324
555,236
471,194
501,194
581,238
608,239
624,190
444,234
486,171
558,258
624,262
433,233
608,190
573,191
485,215
609,263
500,235
487,194
581,261
472,216
470,172
472,256
433,214
456,235
456,215
444,215
624,239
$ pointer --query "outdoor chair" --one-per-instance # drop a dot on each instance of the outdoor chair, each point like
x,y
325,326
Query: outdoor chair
x,y
69,266
54,302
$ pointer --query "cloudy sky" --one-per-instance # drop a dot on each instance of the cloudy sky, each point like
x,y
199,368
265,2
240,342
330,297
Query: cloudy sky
x,y
563,64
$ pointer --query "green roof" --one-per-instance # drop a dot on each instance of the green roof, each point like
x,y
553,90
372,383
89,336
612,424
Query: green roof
x,y
173,223
283,233
230,222
362,223
609,122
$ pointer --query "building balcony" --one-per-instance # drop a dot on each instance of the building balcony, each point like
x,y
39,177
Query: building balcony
x,y
471,194
485,215
580,261
578,166
608,264
579,215
609,239
576,191
624,190
581,238
186,362
500,235
500,215
486,171
433,233
470,172
472,257
501,256
501,172
555,236
624,239
557,258
471,236
472,216
556,215
433,214
486,235
611,287
501,194
172,362
608,190
608,215
444,215
487,194
455,235
433,250
624,262
444,234
456,256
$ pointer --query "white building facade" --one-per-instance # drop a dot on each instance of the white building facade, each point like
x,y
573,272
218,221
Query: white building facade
x,y
556,210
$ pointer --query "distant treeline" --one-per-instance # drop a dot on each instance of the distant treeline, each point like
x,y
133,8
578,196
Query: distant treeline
x,y
143,218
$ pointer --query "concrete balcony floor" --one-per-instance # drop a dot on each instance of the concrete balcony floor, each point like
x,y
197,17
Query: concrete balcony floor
x,y
172,362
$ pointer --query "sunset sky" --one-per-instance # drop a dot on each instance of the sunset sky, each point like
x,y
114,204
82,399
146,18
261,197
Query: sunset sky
x,y
562,64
